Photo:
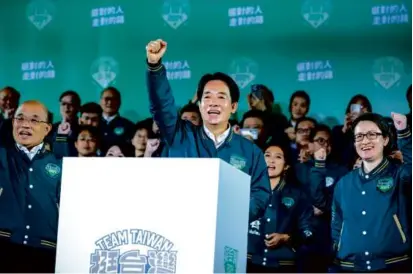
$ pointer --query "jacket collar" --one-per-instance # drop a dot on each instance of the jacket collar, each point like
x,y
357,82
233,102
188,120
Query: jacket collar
x,y
376,171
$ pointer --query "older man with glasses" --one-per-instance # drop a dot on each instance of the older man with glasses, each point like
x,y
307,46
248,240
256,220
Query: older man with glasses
x,y
29,194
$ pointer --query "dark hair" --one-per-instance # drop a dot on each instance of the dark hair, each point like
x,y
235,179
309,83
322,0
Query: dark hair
x,y
144,124
190,108
290,175
301,94
266,93
12,90
127,149
381,123
92,130
254,113
284,146
114,90
91,107
75,96
409,92
303,119
233,122
359,97
232,85
320,128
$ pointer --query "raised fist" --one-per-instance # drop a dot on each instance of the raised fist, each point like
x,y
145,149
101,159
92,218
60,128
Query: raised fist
x,y
155,50
64,128
320,155
399,120
151,146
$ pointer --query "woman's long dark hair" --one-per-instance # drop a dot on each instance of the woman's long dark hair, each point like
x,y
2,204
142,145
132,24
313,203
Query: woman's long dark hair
x,y
288,176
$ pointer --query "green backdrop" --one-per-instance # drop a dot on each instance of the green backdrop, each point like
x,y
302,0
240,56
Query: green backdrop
x,y
332,49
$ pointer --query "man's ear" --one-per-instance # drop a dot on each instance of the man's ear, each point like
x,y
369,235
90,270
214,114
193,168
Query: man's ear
x,y
234,107
48,128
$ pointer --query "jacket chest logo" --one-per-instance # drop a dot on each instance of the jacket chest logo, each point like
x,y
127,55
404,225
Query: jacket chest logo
x,y
329,181
119,130
238,162
52,170
385,184
288,202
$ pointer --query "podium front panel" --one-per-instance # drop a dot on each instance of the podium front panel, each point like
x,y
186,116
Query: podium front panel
x,y
137,214
232,220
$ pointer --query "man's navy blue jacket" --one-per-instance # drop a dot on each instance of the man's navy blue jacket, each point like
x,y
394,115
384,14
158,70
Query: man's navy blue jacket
x,y
371,214
185,140
29,196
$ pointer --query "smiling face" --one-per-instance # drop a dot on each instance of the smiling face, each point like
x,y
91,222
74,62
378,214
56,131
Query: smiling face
x,y
275,160
216,107
369,141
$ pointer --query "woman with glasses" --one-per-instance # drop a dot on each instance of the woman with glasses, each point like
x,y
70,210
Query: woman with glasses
x,y
318,176
371,209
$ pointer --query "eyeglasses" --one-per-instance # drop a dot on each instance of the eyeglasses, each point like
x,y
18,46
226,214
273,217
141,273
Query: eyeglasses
x,y
322,141
370,136
303,130
31,121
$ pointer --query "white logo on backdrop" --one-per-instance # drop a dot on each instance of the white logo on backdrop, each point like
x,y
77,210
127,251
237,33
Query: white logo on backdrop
x,y
314,70
104,71
387,71
244,16
389,14
316,12
177,70
105,16
175,12
243,71
40,12
38,70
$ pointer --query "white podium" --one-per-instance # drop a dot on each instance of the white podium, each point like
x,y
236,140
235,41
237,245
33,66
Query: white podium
x,y
152,215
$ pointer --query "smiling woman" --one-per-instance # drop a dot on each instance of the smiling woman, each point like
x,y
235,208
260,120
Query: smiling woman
x,y
378,191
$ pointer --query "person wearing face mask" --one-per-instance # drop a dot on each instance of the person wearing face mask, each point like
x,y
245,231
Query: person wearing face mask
x,y
29,194
286,224
372,209
219,95
299,108
261,98
343,147
318,176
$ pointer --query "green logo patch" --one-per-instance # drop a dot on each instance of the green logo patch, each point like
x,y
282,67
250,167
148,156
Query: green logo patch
x,y
119,130
52,170
238,162
288,202
230,259
385,184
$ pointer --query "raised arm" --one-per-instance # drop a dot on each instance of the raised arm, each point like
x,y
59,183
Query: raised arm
x,y
404,143
260,187
162,102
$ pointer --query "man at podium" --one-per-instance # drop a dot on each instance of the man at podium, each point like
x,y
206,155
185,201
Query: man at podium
x,y
219,95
